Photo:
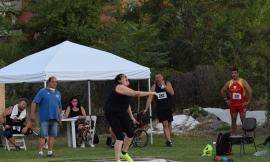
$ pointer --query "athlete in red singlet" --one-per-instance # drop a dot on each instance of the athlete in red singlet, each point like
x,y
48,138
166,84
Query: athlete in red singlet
x,y
240,96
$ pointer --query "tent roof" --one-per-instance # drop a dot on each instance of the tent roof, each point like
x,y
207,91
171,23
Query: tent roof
x,y
69,61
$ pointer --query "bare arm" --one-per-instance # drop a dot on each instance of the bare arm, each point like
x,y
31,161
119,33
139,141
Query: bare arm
x,y
130,92
33,112
27,124
149,99
223,93
248,89
224,89
169,88
130,113
83,113
67,111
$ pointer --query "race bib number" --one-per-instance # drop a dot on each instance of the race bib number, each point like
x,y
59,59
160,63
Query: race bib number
x,y
237,96
161,95
18,128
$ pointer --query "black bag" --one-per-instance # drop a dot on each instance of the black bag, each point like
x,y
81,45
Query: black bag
x,y
223,146
96,139
109,141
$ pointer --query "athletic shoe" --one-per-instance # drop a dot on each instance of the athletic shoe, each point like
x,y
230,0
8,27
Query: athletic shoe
x,y
50,153
126,157
82,145
40,155
168,143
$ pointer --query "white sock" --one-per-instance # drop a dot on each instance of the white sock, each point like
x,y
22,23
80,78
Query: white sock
x,y
50,152
40,152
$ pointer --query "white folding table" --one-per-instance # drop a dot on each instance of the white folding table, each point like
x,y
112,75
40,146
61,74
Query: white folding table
x,y
71,126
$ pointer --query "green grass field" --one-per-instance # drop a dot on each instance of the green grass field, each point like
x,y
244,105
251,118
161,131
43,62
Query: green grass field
x,y
187,149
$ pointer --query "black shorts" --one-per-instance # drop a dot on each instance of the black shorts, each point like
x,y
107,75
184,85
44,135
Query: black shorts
x,y
165,115
8,132
120,122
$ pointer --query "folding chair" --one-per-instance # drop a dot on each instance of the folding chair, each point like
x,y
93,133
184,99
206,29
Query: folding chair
x,y
248,136
19,138
92,121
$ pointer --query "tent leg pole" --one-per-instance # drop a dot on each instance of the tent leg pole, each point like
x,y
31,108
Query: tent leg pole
x,y
139,99
150,113
89,98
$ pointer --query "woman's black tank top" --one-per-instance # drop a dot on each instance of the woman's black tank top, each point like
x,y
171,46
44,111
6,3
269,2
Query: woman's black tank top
x,y
73,113
117,103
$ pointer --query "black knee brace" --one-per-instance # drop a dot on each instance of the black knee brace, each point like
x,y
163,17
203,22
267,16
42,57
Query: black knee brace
x,y
130,134
8,133
120,136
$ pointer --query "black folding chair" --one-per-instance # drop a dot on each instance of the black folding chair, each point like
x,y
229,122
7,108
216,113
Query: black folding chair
x,y
248,136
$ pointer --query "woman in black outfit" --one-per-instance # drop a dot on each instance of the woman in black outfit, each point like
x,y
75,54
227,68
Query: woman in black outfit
x,y
76,110
164,104
117,109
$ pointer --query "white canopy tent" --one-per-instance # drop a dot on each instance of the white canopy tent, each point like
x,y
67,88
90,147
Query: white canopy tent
x,y
69,61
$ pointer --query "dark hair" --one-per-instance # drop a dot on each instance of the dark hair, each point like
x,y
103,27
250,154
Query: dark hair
x,y
117,78
51,78
161,75
70,103
22,99
158,74
234,68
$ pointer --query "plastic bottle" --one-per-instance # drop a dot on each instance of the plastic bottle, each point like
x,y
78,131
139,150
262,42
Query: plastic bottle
x,y
224,158
260,153
63,114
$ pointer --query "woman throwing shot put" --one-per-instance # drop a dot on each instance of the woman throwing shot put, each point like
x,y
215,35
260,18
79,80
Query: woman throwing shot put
x,y
116,112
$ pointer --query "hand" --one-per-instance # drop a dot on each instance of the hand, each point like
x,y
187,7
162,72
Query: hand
x,y
162,82
228,102
24,130
163,85
134,121
33,124
59,123
144,111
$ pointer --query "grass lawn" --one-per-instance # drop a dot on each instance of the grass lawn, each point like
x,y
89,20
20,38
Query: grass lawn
x,y
187,149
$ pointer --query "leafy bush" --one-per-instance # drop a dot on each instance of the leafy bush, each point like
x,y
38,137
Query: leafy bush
x,y
197,111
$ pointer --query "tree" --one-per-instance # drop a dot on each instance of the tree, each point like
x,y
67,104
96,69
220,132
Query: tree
x,y
10,36
7,18
56,21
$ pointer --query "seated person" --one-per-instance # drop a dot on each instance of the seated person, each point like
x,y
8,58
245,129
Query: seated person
x,y
75,109
16,121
